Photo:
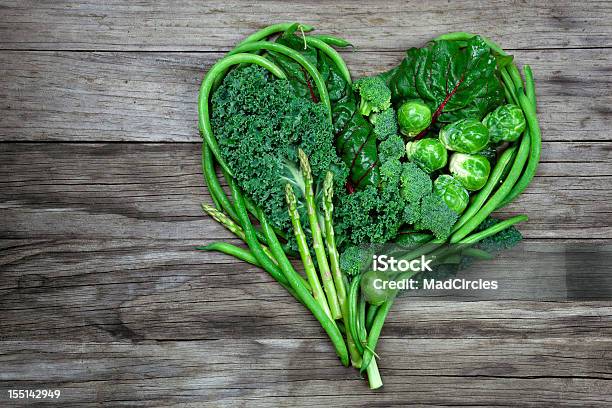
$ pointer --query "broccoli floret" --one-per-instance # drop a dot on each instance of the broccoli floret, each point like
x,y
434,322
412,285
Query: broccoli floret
x,y
415,183
356,259
391,148
374,93
385,124
435,216
505,239
412,212
390,172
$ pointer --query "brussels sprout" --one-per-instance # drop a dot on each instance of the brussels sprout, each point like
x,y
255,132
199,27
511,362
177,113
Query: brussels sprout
x,y
452,192
428,154
465,136
472,170
505,123
413,117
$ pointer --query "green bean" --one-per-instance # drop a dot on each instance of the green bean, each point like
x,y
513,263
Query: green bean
x,y
477,253
332,54
494,229
530,85
352,312
273,29
516,77
317,238
232,250
208,170
374,333
203,109
370,316
509,85
297,57
332,40
361,323
482,195
301,289
534,154
300,236
501,193
251,239
276,248
215,189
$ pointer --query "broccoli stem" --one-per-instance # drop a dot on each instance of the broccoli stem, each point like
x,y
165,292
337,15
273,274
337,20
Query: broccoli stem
x,y
317,238
300,236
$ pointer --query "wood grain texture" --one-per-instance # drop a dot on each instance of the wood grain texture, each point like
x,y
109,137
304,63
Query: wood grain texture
x,y
216,25
475,372
135,190
103,296
148,97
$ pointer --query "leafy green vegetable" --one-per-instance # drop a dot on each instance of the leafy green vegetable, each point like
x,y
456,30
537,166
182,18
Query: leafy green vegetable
x,y
413,117
465,136
374,94
260,123
506,123
471,170
503,240
455,79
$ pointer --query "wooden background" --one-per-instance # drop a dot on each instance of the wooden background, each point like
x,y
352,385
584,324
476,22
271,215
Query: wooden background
x,y
103,296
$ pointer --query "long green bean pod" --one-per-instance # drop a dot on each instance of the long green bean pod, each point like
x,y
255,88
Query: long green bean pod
x,y
215,189
494,229
251,239
484,193
317,237
297,57
300,236
300,287
232,250
220,67
352,300
279,254
333,40
332,54
271,30
536,149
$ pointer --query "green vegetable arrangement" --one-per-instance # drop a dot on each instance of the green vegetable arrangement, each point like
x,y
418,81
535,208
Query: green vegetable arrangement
x,y
329,171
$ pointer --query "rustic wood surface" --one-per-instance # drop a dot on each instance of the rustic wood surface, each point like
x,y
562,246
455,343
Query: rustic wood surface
x,y
103,296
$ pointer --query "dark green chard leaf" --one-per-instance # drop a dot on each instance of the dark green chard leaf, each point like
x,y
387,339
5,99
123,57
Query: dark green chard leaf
x,y
455,79
356,145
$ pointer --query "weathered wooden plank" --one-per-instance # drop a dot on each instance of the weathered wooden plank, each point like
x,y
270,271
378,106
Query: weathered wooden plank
x,y
217,25
152,96
126,190
107,290
272,372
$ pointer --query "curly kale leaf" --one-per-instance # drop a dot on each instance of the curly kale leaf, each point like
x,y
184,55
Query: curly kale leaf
x,y
260,123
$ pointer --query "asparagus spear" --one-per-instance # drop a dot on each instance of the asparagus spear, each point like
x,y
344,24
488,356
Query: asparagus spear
x,y
317,238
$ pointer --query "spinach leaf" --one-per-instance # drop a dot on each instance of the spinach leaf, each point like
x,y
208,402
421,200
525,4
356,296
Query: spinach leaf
x,y
456,80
